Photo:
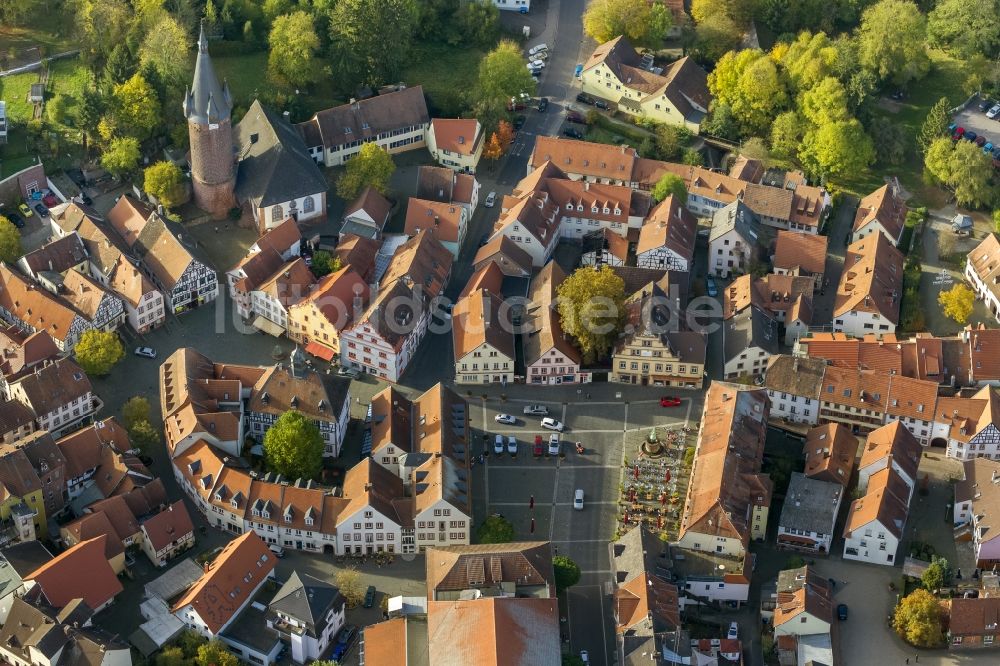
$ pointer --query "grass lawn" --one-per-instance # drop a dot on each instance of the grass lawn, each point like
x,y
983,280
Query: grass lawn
x,y
447,74
53,33
14,89
944,80
247,76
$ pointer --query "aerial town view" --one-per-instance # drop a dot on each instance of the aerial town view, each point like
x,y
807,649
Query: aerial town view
x,y
499,332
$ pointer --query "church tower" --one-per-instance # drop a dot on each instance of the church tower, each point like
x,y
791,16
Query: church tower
x,y
207,107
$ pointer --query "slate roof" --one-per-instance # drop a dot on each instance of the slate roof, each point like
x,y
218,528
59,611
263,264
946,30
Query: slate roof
x,y
308,600
207,101
748,329
274,165
365,119
58,256
810,504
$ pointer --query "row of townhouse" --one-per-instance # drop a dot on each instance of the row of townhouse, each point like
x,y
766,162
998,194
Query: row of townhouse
x,y
396,121
887,477
411,493
728,497
224,404
786,203
811,391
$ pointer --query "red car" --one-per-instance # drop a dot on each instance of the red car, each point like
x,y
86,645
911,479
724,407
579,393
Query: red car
x,y
980,141
958,134
670,401
538,446
50,200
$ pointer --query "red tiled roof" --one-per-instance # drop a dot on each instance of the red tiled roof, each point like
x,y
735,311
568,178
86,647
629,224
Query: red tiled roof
x,y
82,572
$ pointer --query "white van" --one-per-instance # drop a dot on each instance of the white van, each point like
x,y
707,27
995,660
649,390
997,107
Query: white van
x,y
278,551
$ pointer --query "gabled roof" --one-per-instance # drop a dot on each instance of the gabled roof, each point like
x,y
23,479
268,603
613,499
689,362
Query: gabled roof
x,y
358,253
886,207
880,503
590,159
872,280
488,277
61,580
50,387
985,262
800,591
512,258
669,225
542,312
374,204
229,580
974,617
365,119
35,306
895,442
457,135
167,526
162,251
307,600
335,296
58,256
443,220
128,216
752,327
281,238
274,165
830,451
456,568
477,320
805,252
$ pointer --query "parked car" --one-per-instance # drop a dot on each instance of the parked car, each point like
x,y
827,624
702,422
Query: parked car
x,y
710,287
553,444
370,596
957,134
988,148
578,499
278,551
346,371
573,133
584,656
734,631
543,104
347,635
518,122
536,64
512,445
578,71
50,200
505,418
536,410
538,48
498,444
41,210
552,424
15,219
985,104
23,207
601,104
980,140
842,612
670,401
584,98
538,449
145,352
969,135
576,117
993,112
491,200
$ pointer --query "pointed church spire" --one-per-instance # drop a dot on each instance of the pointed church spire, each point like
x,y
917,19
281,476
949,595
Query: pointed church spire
x,y
202,39
208,102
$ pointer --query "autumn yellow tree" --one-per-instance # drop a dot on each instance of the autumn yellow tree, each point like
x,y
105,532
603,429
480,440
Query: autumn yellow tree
x,y
505,133
493,150
917,619
591,309
957,303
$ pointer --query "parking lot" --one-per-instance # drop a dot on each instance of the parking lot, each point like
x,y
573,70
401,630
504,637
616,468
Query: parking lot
x,y
507,485
972,119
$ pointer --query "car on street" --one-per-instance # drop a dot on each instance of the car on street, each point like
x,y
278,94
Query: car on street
x,y
538,448
734,631
584,656
993,112
346,371
578,499
601,104
573,133
512,445
370,596
505,418
498,444
575,117
543,104
538,48
584,98
491,200
842,612
145,352
15,219
670,401
578,71
23,207
553,444
710,287
41,210
536,410
551,424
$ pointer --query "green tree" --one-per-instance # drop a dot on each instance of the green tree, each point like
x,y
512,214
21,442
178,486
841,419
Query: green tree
x,y
891,41
293,446
98,351
348,581
808,60
837,149
890,141
20,12
957,304
567,572
189,641
478,23
591,309
748,82
693,157
165,49
670,140
121,156
572,660
996,220
10,241
502,75
918,619
136,107
962,167
935,124
372,166
101,25
165,182
642,22
721,122
323,263
965,27
211,15
740,11
715,36
292,61
938,572
274,9
55,109
215,653
755,148
669,185
121,64
134,410
495,529
89,110
373,38
144,435
826,102
171,656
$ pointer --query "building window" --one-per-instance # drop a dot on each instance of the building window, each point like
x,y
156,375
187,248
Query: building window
x,y
277,212
308,205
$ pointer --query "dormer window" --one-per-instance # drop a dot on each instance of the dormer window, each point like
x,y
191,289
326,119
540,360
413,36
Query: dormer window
x,y
606,210
309,521
368,514
579,208
618,211
593,209
569,206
